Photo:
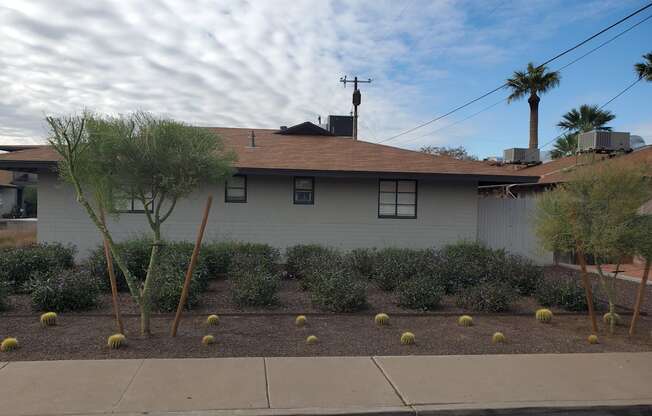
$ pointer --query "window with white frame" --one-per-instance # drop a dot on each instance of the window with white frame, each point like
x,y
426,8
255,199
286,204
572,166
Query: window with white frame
x,y
236,189
304,191
397,198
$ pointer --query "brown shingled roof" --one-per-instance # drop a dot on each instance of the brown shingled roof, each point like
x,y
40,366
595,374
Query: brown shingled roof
x,y
318,153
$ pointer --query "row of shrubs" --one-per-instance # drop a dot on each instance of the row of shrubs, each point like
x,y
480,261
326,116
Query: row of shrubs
x,y
480,279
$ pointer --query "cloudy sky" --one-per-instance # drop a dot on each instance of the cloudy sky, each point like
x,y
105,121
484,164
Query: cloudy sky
x,y
270,63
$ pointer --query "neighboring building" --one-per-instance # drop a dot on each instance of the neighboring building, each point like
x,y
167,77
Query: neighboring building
x,y
8,193
300,184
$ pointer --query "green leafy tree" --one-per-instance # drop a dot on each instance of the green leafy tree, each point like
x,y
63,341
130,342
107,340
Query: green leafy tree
x,y
644,69
586,118
157,162
532,82
566,145
642,243
459,152
594,213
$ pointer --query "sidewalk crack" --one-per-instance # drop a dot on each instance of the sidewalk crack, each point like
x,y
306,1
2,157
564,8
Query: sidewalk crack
x,y
129,384
269,404
398,393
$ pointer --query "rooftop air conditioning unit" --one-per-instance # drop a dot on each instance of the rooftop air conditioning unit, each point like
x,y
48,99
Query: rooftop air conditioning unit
x,y
604,141
521,156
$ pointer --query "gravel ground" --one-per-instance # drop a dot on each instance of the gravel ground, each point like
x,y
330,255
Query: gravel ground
x,y
79,337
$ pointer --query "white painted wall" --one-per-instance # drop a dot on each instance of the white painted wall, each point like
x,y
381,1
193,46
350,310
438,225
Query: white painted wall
x,y
508,223
344,215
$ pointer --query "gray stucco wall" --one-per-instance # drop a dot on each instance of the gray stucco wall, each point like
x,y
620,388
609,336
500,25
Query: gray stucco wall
x,y
344,215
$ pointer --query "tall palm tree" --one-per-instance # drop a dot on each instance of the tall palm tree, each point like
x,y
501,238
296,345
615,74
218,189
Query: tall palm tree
x,y
587,118
644,69
566,145
533,81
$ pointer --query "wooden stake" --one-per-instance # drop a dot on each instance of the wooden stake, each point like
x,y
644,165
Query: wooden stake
x,y
588,289
114,285
191,267
639,297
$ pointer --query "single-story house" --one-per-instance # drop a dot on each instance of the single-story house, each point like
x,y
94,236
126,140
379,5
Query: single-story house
x,y
300,184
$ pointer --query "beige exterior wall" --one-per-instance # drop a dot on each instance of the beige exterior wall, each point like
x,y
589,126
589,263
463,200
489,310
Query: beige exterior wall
x,y
344,215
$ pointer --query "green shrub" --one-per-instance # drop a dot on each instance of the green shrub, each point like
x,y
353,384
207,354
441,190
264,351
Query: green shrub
x,y
308,262
19,263
217,256
421,292
524,275
255,288
63,290
339,290
254,258
394,265
5,289
565,293
494,296
169,284
361,261
135,253
467,264
176,255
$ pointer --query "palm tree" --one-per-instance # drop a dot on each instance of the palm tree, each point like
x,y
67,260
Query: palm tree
x,y
566,145
587,118
644,69
533,81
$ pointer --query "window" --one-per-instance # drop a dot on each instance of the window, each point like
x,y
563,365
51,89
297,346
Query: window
x,y
133,205
304,191
397,199
236,189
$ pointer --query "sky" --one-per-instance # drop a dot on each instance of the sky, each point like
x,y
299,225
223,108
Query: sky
x,y
263,64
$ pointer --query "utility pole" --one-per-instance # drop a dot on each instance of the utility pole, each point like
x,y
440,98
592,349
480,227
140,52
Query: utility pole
x,y
357,98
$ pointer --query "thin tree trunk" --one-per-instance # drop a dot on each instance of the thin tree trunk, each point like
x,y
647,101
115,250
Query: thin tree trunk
x,y
587,288
534,120
114,286
146,292
639,297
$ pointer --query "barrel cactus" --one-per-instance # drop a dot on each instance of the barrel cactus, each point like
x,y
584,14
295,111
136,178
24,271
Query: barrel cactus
x,y
498,338
381,319
49,319
465,320
407,338
208,340
607,317
593,339
312,339
212,320
544,315
300,320
116,341
9,344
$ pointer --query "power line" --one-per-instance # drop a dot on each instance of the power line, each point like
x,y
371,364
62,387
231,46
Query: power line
x,y
559,69
624,90
559,55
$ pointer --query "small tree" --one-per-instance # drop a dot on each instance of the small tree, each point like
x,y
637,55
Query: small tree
x,y
594,213
459,152
109,160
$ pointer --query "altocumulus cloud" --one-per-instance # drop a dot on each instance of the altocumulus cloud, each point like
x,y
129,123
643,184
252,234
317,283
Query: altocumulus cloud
x,y
228,63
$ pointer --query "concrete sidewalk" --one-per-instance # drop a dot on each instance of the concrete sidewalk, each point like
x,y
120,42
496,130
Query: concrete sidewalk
x,y
326,385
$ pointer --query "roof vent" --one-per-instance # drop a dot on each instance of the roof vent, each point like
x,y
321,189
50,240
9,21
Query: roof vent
x,y
604,141
521,156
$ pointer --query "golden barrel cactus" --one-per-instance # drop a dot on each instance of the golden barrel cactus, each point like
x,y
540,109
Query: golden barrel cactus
x,y
465,320
593,339
381,319
208,340
116,341
544,315
212,320
312,339
49,319
407,338
8,344
300,320
498,338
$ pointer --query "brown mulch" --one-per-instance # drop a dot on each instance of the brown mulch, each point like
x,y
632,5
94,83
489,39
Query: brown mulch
x,y
271,331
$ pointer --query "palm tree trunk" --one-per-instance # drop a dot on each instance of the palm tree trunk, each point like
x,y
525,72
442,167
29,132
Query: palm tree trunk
x,y
534,120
